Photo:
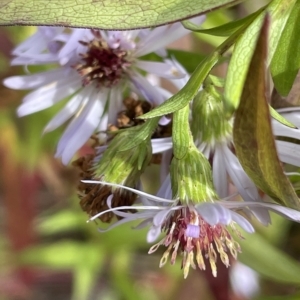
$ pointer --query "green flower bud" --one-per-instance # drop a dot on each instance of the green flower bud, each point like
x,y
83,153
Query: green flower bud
x,y
209,121
191,178
121,163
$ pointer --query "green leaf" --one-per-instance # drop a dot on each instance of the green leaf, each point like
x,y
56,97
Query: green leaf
x,y
138,134
104,14
286,61
279,11
280,118
268,261
252,131
85,272
223,30
61,255
189,91
62,221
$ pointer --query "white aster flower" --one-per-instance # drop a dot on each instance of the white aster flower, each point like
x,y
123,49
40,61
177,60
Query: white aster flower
x,y
94,70
197,231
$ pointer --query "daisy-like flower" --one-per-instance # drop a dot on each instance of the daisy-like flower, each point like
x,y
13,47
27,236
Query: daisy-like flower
x,y
197,231
94,70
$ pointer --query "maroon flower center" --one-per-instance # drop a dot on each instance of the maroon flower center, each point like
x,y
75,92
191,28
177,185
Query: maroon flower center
x,y
187,233
102,64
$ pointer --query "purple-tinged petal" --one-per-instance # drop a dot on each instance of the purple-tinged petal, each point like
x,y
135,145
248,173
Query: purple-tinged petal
x,y
209,213
219,173
153,233
242,222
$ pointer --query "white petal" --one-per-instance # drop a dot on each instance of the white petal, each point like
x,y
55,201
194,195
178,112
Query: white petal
x,y
160,217
244,185
135,216
66,113
161,69
48,95
71,45
288,152
153,233
34,59
115,103
161,145
140,193
165,167
241,221
162,36
165,190
149,92
289,213
282,130
209,213
219,173
224,214
131,218
80,130
32,81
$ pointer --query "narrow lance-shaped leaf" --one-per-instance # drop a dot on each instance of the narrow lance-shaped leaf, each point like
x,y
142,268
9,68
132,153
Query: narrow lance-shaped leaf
x,y
225,29
252,132
270,262
279,11
189,91
104,14
286,61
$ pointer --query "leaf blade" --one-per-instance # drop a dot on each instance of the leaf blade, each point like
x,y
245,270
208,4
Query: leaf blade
x,y
286,269
104,14
279,11
252,131
286,60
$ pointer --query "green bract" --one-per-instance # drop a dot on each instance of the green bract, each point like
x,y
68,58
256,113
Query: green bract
x,y
209,119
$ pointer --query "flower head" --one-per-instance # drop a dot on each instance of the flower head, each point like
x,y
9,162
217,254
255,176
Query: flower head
x,y
197,232
94,70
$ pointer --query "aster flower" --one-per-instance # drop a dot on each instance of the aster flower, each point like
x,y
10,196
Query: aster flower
x,y
198,231
94,70
213,133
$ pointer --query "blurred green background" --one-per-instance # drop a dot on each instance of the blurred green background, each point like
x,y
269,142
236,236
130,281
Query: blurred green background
x,y
48,251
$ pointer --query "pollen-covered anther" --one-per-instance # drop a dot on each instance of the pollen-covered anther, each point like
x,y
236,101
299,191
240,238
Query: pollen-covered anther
x,y
192,237
101,64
